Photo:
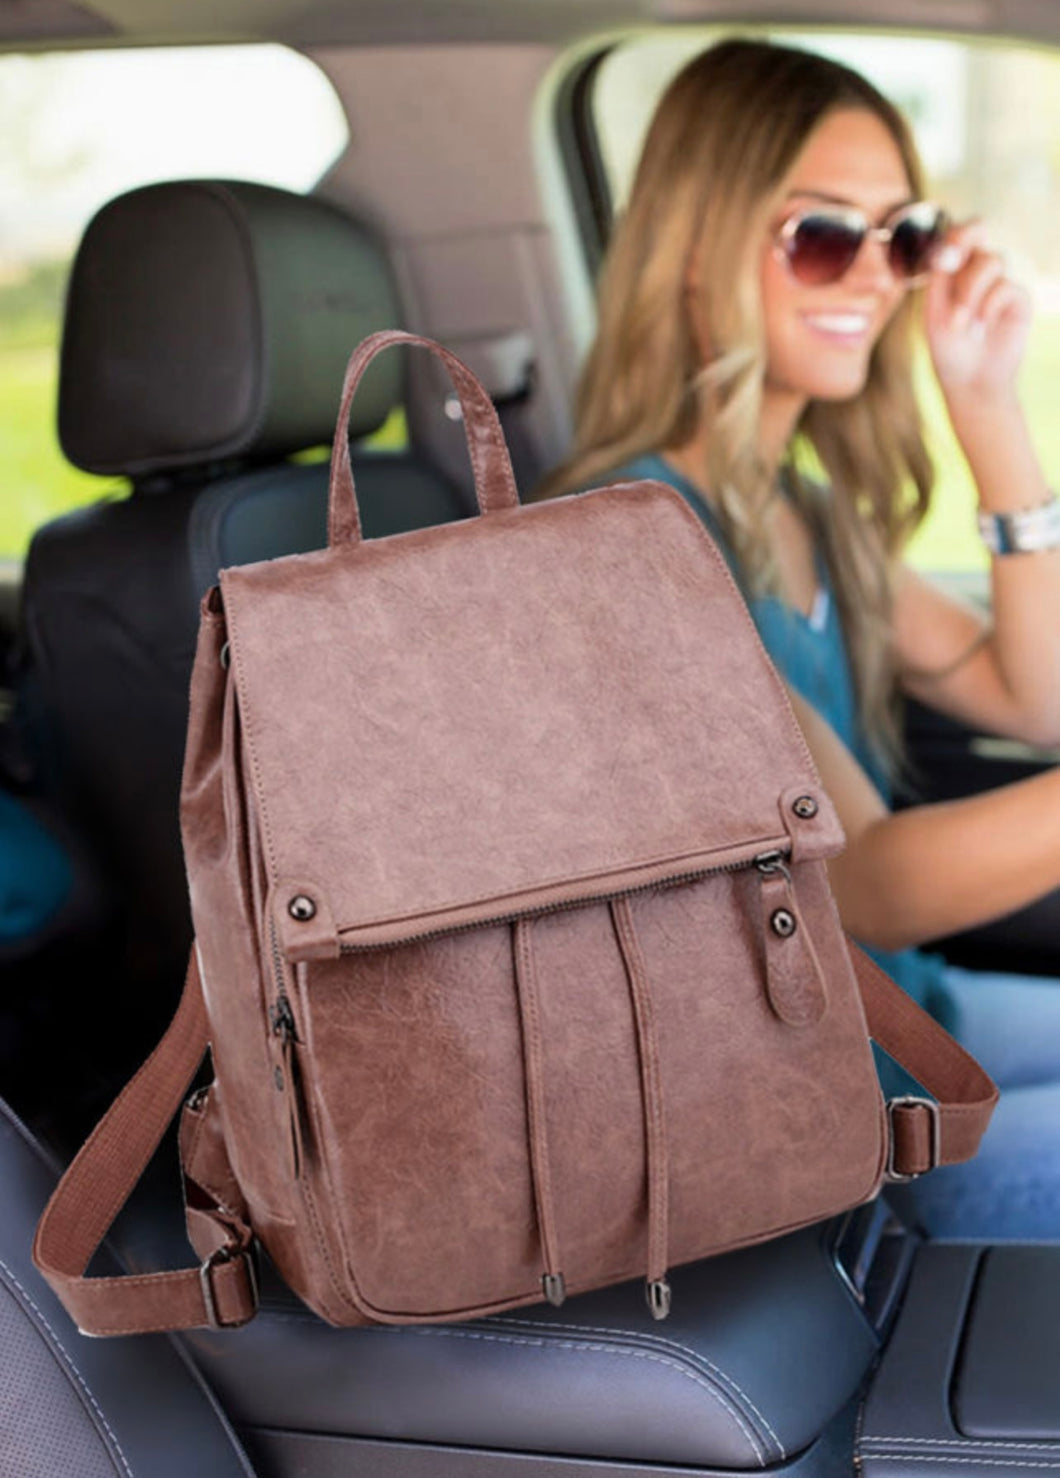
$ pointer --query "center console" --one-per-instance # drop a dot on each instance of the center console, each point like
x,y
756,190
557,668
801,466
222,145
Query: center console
x,y
969,1383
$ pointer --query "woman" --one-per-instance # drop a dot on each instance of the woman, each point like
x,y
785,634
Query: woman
x,y
760,300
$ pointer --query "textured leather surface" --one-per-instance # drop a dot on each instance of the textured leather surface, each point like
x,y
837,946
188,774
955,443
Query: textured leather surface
x,y
105,1172
93,1406
436,696
910,1427
209,319
450,1222
761,1349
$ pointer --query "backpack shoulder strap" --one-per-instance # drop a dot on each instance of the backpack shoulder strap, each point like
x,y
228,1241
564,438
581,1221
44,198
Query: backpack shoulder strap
x,y
924,1132
222,1293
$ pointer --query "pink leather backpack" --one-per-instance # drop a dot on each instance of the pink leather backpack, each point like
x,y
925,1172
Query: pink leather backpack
x,y
515,949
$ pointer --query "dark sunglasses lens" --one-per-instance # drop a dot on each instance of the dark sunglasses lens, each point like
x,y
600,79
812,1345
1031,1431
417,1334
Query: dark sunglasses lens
x,y
915,238
821,249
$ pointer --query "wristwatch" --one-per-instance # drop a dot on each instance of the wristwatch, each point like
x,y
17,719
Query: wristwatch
x,y
1022,532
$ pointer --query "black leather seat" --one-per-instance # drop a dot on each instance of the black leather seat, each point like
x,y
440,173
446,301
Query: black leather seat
x,y
91,1408
208,328
763,1349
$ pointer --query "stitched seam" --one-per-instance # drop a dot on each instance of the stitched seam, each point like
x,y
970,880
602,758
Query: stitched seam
x,y
338,1284
656,1159
465,382
535,1097
986,1462
71,1367
607,1349
965,1443
672,1344
252,749
340,1275
226,1199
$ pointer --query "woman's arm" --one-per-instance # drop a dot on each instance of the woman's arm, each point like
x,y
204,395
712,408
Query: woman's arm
x,y
1005,678
953,659
915,875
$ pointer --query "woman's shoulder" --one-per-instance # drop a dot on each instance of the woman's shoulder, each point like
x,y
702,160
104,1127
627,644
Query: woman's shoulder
x,y
653,467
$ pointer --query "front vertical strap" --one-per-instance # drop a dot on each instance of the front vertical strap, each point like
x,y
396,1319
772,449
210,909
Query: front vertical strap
x,y
795,983
552,1283
657,1158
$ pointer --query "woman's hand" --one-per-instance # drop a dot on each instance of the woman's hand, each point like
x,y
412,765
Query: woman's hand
x,y
977,324
977,320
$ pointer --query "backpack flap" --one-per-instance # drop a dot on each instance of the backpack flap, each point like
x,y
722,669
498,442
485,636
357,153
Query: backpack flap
x,y
541,706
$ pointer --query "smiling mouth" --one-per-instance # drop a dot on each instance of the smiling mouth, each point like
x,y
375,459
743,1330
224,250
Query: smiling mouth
x,y
846,327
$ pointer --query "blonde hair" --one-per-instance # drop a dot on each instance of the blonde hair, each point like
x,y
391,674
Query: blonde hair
x,y
724,136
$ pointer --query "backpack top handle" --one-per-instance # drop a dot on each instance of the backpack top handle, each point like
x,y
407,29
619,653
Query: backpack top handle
x,y
494,480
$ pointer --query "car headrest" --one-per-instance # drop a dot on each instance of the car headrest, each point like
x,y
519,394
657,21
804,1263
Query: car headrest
x,y
210,319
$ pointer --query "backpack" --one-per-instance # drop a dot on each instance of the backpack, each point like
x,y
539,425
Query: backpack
x,y
515,949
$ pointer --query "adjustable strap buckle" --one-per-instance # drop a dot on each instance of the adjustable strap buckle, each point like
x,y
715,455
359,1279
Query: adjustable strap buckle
x,y
912,1100
224,1255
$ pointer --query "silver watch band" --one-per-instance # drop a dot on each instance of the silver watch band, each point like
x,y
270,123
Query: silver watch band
x,y
1024,531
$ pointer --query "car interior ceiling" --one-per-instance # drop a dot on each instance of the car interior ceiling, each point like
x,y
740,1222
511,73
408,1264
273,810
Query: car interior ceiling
x,y
852,1340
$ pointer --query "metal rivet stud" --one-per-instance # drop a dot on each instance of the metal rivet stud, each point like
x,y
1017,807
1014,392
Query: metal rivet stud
x,y
782,922
804,807
302,908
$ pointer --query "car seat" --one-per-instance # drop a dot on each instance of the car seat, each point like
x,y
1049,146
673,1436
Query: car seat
x,y
207,329
94,1408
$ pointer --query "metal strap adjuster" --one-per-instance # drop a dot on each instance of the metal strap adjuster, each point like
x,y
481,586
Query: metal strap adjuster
x,y
225,1255
912,1100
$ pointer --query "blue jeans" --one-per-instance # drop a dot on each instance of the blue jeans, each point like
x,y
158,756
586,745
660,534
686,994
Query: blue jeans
x,y
1011,1190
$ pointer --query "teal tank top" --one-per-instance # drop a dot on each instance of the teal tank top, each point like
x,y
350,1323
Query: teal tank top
x,y
810,652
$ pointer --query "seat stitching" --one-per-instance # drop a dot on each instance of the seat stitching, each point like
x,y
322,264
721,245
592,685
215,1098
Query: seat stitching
x,y
691,1375
986,1462
78,1377
294,1316
672,1344
965,1442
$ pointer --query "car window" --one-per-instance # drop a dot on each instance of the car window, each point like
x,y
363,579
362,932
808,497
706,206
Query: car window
x,y
987,121
79,128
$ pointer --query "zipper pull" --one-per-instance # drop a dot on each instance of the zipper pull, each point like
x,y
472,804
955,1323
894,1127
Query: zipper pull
x,y
281,1019
287,1079
794,983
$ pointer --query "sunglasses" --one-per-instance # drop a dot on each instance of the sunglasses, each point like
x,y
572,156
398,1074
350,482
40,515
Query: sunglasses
x,y
821,243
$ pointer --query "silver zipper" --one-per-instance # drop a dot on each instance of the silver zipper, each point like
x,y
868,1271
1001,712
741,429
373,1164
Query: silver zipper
x,y
284,1028
772,861
281,1017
